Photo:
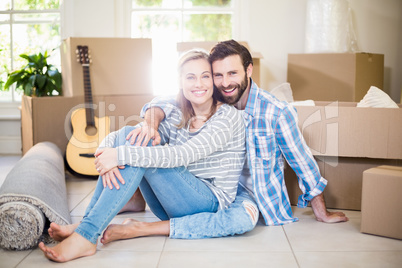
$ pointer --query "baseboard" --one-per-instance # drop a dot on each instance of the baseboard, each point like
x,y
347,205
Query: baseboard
x,y
10,145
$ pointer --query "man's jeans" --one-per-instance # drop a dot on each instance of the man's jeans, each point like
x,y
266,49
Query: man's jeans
x,y
169,192
225,222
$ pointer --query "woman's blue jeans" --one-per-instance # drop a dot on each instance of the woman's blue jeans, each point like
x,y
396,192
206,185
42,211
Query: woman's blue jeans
x,y
170,193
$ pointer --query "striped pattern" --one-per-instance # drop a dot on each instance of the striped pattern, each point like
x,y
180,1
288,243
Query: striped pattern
x,y
215,153
272,134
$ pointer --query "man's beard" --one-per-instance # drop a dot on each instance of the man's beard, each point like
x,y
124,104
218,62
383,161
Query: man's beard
x,y
233,99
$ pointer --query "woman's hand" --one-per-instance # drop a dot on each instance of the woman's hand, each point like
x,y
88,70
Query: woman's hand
x,y
109,178
106,159
141,136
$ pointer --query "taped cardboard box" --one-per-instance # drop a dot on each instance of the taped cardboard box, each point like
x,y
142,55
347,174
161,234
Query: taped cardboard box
x,y
382,201
119,66
346,140
334,76
208,45
48,118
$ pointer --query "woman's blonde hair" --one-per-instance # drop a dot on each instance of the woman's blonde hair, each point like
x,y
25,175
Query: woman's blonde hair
x,y
184,104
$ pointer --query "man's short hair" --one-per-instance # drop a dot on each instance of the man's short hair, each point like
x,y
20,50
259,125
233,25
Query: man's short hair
x,y
229,48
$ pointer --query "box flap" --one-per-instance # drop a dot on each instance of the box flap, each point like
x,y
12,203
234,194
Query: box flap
x,y
341,129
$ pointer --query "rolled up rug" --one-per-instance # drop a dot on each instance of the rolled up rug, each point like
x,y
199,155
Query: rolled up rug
x,y
34,191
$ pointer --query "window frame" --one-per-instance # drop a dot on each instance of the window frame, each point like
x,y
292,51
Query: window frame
x,y
233,10
8,107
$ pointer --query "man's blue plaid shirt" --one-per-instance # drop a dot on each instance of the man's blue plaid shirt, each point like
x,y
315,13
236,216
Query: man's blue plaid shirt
x,y
272,135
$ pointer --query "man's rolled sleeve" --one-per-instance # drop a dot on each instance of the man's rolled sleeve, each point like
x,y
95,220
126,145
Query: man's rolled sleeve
x,y
304,199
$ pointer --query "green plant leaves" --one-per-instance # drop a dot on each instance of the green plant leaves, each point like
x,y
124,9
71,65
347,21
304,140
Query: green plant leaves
x,y
37,78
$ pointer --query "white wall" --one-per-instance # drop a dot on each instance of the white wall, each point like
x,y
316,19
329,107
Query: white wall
x,y
277,28
274,28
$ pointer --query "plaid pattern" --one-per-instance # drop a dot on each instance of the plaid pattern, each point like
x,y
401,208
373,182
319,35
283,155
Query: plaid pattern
x,y
272,134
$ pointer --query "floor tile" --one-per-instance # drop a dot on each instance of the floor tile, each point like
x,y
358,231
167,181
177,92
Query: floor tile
x,y
262,238
79,210
236,259
101,259
79,185
383,259
148,244
74,200
311,235
10,258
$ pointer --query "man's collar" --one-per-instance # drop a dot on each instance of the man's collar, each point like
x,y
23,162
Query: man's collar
x,y
252,99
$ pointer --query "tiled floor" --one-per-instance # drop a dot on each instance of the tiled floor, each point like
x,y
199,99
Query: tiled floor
x,y
306,243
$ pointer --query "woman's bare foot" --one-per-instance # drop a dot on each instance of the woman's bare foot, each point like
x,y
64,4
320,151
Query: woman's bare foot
x,y
135,204
73,247
61,232
131,228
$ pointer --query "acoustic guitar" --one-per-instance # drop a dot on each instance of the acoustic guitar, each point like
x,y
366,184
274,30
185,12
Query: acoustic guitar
x,y
88,130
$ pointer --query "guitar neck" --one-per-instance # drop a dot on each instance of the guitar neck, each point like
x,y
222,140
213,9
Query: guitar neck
x,y
90,116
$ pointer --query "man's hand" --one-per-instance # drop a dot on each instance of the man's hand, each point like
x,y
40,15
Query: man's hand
x,y
141,136
322,214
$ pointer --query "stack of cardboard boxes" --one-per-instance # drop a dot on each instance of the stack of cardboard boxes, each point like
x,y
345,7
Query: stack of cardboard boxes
x,y
347,140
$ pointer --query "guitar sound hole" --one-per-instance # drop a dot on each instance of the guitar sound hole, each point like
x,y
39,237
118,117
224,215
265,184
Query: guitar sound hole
x,y
91,130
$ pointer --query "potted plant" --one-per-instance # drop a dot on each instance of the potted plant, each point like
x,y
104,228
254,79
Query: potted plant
x,y
38,78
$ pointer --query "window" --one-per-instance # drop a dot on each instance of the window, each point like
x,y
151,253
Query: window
x,y
27,27
168,22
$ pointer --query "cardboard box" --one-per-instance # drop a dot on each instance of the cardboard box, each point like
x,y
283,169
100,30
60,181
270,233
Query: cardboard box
x,y
342,129
120,66
382,201
334,76
48,118
207,45
345,141
344,176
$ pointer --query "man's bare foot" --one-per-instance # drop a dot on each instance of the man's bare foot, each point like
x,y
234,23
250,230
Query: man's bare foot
x,y
61,232
135,204
125,230
322,214
73,247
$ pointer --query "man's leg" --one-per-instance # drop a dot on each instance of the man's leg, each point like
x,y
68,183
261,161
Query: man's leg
x,y
240,217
